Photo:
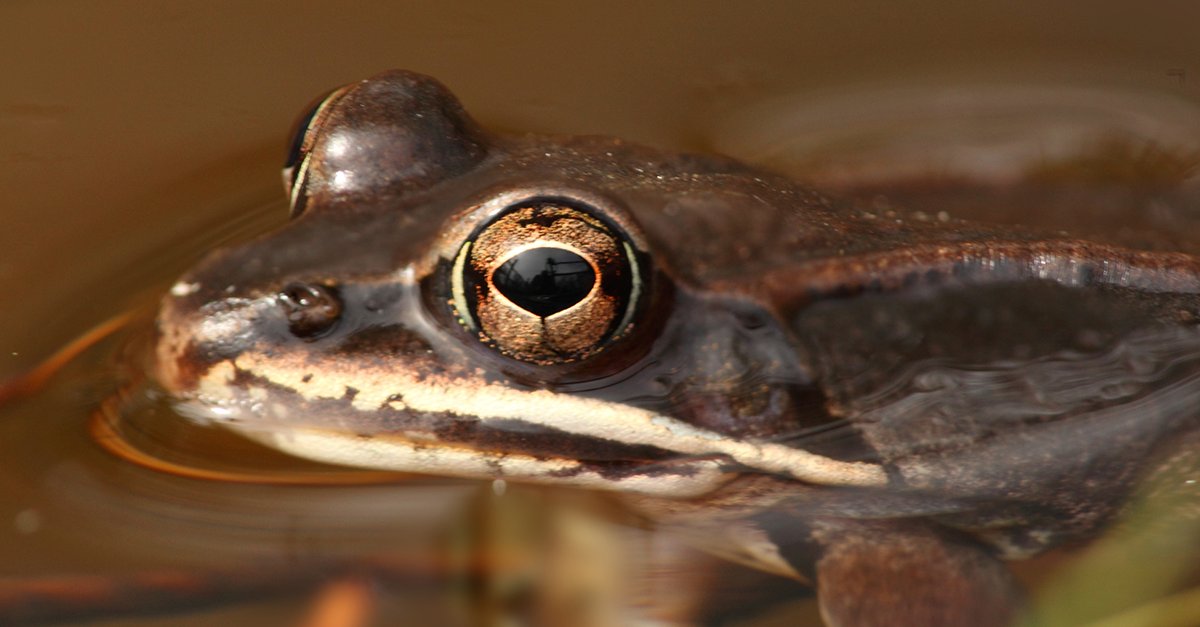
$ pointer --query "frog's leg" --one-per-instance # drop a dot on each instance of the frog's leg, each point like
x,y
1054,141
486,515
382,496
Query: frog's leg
x,y
903,572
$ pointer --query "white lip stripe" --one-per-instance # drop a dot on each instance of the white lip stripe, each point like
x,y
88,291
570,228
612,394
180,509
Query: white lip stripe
x,y
402,456
575,415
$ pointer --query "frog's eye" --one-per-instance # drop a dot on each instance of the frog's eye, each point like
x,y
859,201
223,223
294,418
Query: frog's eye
x,y
547,283
295,167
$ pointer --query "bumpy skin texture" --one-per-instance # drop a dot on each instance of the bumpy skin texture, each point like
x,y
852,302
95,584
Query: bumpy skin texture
x,y
1012,387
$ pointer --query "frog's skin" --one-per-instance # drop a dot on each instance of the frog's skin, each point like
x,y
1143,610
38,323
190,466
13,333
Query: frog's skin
x,y
886,406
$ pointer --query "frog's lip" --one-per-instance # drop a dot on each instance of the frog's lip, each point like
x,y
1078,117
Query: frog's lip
x,y
677,476
681,478
430,414
280,391
254,412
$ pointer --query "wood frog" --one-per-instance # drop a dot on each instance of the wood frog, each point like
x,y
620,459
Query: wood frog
x,y
886,405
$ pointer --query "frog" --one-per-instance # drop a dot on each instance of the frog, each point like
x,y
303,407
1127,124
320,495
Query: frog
x,y
887,407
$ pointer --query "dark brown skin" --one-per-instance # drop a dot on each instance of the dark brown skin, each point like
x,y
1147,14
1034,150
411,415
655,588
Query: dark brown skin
x,y
869,579
1016,386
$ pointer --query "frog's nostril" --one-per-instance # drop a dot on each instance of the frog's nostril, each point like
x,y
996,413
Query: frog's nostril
x,y
311,310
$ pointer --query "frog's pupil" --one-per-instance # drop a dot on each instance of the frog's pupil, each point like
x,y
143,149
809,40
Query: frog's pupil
x,y
545,281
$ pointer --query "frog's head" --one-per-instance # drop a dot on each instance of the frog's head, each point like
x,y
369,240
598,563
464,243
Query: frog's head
x,y
446,300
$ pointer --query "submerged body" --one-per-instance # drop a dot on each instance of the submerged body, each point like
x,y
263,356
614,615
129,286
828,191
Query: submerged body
x,y
885,406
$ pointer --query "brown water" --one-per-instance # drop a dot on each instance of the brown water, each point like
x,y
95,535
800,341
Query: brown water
x,y
134,138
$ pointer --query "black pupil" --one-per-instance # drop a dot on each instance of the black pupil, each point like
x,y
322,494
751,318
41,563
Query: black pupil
x,y
545,281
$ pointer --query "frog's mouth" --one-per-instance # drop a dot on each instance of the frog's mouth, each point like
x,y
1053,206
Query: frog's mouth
x,y
386,401
406,440
436,424
679,478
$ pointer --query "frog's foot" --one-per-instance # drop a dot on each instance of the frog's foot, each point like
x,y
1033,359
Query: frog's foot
x,y
901,573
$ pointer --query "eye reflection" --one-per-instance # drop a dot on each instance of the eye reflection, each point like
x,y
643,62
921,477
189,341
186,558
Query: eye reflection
x,y
545,281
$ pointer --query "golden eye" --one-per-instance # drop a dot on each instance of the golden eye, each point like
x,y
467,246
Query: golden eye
x,y
547,283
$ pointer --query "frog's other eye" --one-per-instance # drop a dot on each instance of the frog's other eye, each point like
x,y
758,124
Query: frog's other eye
x,y
295,166
311,310
547,282
388,136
